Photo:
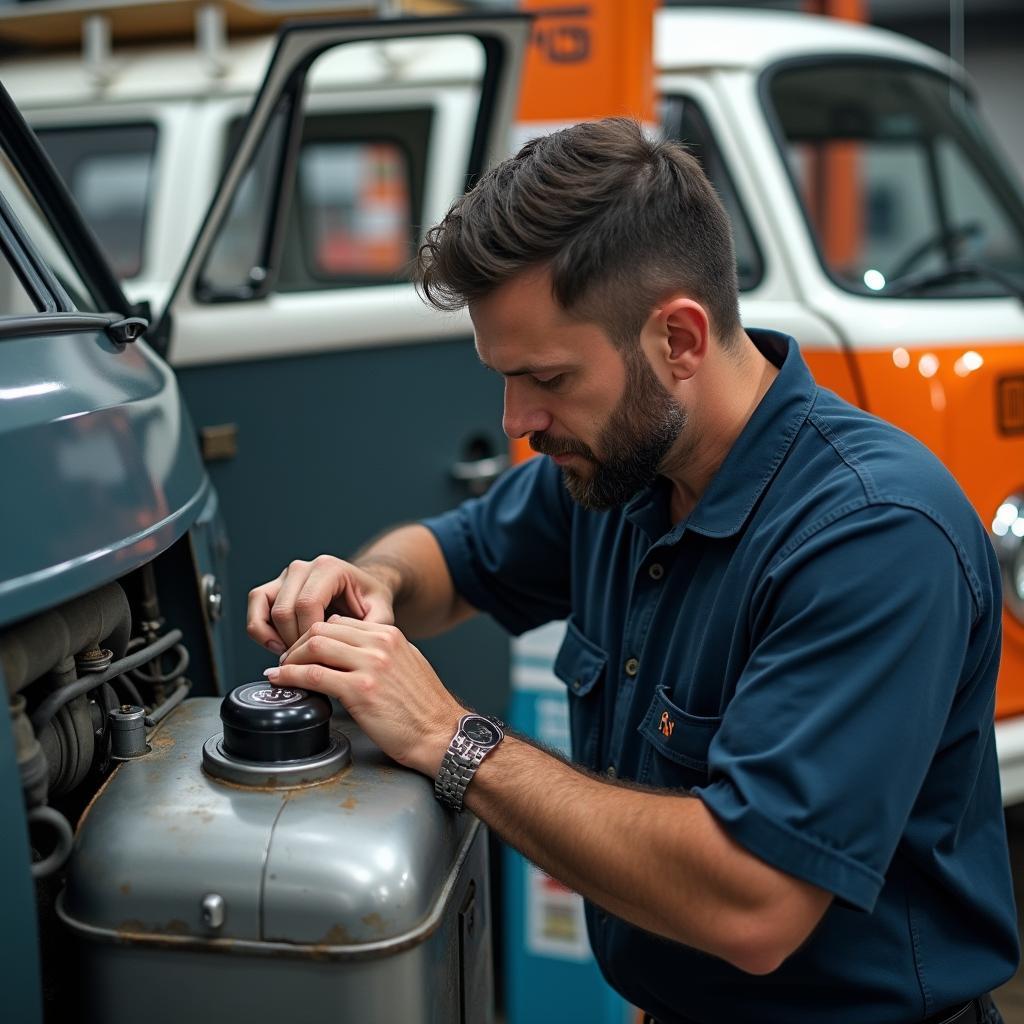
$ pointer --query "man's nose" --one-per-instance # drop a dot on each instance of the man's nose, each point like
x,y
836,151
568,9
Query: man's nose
x,y
522,416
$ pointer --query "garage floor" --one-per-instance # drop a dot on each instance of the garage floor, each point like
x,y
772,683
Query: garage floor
x,y
1010,998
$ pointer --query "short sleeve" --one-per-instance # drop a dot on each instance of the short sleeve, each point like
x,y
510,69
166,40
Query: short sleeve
x,y
861,636
509,551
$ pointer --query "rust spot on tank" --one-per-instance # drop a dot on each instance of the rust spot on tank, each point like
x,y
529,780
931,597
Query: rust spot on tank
x,y
161,741
336,936
275,784
375,921
125,888
133,926
183,712
349,804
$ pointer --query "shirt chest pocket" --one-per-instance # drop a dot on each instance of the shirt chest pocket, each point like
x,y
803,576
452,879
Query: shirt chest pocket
x,y
581,665
675,754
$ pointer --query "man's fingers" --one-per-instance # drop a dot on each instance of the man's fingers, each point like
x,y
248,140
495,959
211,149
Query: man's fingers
x,y
283,613
378,610
258,623
324,586
341,643
310,677
360,625
304,595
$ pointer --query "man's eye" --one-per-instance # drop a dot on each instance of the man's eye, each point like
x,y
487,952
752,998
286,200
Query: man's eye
x,y
550,383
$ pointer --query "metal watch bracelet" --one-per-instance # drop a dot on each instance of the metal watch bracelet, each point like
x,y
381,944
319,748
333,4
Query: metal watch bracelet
x,y
458,766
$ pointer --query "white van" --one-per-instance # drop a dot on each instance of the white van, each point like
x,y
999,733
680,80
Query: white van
x,y
873,221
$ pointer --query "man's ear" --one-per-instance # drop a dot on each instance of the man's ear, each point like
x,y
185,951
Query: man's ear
x,y
680,332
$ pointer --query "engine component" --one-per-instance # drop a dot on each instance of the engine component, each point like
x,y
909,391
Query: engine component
x,y
164,709
49,707
95,659
358,897
57,857
127,732
31,649
273,732
31,761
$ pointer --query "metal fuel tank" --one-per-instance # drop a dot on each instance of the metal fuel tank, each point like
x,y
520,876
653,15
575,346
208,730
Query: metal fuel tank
x,y
290,871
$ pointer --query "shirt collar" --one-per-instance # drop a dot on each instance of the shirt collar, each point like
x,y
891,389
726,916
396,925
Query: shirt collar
x,y
752,461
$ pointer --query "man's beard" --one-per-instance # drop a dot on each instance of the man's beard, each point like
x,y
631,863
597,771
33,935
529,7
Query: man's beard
x,y
634,442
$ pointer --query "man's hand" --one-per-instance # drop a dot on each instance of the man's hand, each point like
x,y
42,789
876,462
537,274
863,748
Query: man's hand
x,y
307,592
383,681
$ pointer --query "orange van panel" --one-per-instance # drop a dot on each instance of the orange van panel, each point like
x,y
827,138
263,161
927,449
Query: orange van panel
x,y
587,61
966,404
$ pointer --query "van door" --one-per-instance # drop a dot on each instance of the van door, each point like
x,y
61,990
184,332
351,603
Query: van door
x,y
331,403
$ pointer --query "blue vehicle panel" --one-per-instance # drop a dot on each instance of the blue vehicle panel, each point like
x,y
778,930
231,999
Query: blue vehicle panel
x,y
105,466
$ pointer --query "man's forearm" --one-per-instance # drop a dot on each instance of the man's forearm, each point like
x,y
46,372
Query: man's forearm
x,y
658,860
410,562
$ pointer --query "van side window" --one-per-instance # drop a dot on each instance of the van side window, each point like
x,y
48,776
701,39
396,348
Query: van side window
x,y
357,199
683,120
21,206
109,170
355,204
14,299
236,267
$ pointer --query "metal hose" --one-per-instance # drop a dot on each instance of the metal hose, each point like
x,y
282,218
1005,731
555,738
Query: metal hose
x,y
58,856
163,710
49,707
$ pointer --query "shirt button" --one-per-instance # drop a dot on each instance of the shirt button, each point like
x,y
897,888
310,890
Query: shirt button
x,y
632,666
576,684
656,571
610,771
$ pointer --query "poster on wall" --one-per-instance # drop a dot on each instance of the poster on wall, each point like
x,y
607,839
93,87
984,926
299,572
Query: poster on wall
x,y
555,925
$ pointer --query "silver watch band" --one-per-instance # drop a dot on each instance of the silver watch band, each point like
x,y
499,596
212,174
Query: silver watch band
x,y
476,736
458,766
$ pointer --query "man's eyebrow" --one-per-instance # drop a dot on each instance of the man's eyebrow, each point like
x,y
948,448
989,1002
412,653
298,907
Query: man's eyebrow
x,y
527,370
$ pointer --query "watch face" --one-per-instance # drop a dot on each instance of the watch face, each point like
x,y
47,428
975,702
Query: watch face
x,y
479,730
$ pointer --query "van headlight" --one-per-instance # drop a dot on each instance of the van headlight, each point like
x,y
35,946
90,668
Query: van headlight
x,y
1007,532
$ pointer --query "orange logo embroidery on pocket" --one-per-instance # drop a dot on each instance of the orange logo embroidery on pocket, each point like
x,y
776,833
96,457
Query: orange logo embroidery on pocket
x,y
666,725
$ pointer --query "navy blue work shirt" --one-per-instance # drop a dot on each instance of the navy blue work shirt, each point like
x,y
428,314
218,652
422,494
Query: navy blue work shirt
x,y
813,653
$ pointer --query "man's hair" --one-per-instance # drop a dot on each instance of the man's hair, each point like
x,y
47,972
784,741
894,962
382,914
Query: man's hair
x,y
621,221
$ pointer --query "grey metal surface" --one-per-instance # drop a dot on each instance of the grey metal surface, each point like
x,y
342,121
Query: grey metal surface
x,y
284,774
357,865
430,982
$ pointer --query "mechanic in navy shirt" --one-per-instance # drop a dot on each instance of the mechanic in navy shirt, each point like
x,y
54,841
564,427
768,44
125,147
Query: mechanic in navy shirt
x,y
783,619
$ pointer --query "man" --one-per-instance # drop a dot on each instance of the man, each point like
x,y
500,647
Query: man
x,y
783,620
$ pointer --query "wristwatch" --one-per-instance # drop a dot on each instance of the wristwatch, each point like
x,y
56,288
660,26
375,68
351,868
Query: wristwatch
x,y
475,738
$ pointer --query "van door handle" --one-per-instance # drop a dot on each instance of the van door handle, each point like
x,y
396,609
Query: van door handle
x,y
479,474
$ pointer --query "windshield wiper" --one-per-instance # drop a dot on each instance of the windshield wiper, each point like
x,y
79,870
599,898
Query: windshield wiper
x,y
954,272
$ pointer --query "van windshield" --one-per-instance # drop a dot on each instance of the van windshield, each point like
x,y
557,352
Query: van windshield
x,y
901,188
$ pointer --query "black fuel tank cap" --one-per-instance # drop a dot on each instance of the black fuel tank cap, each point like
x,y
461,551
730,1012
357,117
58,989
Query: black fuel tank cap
x,y
269,724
